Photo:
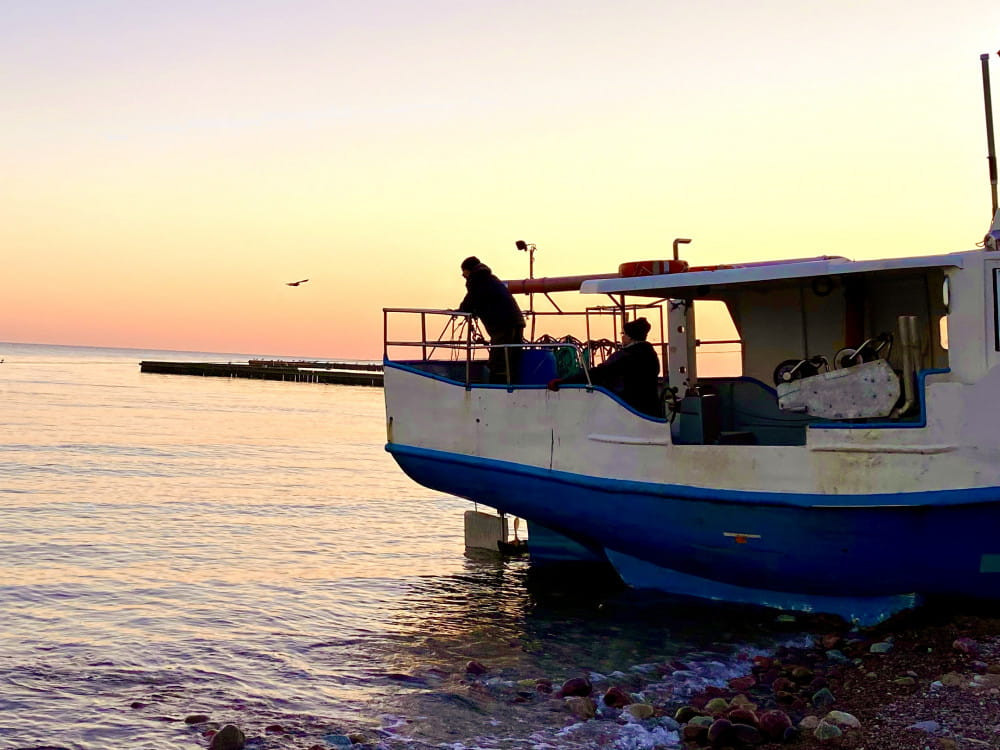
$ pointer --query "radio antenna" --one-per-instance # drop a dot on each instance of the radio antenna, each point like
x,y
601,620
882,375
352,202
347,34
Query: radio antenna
x,y
992,154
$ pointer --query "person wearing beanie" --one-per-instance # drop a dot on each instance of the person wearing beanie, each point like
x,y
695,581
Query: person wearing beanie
x,y
631,373
489,299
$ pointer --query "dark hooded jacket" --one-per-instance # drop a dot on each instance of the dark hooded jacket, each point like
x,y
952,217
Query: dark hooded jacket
x,y
632,373
489,299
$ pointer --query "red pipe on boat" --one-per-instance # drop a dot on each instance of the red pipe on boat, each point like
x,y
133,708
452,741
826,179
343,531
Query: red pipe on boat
x,y
553,283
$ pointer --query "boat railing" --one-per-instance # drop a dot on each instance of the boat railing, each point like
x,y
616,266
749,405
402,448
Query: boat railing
x,y
460,336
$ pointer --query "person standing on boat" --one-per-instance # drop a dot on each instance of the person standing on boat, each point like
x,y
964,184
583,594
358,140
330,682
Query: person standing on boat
x,y
489,299
631,373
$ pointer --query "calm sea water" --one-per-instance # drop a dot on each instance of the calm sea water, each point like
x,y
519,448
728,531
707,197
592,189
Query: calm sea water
x,y
247,550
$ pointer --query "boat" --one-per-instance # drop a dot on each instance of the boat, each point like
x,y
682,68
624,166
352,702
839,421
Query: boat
x,y
851,467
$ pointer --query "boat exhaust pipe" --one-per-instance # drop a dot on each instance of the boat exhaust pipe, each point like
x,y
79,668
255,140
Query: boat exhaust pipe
x,y
909,339
680,241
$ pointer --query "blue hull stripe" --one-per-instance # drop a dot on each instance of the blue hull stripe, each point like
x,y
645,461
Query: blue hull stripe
x,y
972,495
927,542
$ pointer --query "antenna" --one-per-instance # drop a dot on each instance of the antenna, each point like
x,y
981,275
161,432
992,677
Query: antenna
x,y
991,149
529,248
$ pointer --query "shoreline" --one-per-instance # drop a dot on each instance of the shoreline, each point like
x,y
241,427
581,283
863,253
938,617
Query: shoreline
x,y
926,679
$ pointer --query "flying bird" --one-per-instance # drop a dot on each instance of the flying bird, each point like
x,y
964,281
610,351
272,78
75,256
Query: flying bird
x,y
296,283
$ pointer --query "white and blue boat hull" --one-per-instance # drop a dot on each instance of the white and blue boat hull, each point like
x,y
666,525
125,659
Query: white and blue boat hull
x,y
855,522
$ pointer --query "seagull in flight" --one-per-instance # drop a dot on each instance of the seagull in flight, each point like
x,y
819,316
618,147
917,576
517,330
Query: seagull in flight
x,y
296,283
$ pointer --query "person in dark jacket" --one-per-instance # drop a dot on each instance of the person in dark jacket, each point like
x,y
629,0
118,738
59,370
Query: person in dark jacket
x,y
489,299
631,373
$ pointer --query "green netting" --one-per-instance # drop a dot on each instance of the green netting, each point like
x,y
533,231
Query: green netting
x,y
567,363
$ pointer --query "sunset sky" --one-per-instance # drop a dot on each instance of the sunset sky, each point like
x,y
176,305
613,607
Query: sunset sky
x,y
167,167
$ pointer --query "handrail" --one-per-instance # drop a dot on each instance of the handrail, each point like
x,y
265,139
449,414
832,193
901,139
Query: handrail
x,y
428,347
456,313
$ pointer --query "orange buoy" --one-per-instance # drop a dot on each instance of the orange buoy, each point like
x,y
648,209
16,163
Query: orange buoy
x,y
652,267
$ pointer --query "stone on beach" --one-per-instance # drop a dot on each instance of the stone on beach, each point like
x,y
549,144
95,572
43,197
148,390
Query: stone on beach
x,y
745,734
720,731
617,698
954,679
782,685
230,737
684,714
717,706
988,681
809,723
822,698
929,726
966,646
774,723
741,701
742,683
694,732
639,710
581,706
577,686
475,667
836,655
826,732
740,715
803,675
842,719
196,719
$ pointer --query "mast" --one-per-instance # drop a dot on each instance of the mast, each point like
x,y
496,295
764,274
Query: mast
x,y
992,155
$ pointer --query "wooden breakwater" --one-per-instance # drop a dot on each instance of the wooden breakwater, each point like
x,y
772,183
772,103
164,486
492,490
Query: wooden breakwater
x,y
343,373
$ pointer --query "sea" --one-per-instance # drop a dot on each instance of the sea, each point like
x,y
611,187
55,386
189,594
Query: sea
x,y
178,553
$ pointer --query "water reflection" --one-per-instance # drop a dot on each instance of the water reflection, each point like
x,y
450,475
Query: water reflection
x,y
525,626
249,551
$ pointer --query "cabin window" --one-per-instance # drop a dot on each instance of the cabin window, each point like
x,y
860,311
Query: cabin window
x,y
943,332
720,352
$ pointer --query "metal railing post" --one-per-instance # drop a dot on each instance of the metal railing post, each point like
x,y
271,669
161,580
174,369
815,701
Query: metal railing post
x,y
468,357
423,336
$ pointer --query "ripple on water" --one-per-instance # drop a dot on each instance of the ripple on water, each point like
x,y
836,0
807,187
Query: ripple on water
x,y
248,551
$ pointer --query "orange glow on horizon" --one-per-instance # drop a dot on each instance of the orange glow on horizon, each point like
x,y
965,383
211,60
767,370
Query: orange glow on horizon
x,y
162,186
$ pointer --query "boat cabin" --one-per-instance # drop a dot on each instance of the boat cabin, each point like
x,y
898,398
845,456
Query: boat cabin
x,y
821,340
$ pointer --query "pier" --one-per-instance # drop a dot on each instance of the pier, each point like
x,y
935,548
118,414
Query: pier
x,y
342,373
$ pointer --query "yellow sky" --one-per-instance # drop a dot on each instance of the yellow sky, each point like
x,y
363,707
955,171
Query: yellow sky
x,y
167,168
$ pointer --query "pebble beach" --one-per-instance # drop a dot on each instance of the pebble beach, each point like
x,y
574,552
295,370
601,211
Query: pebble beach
x,y
926,680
